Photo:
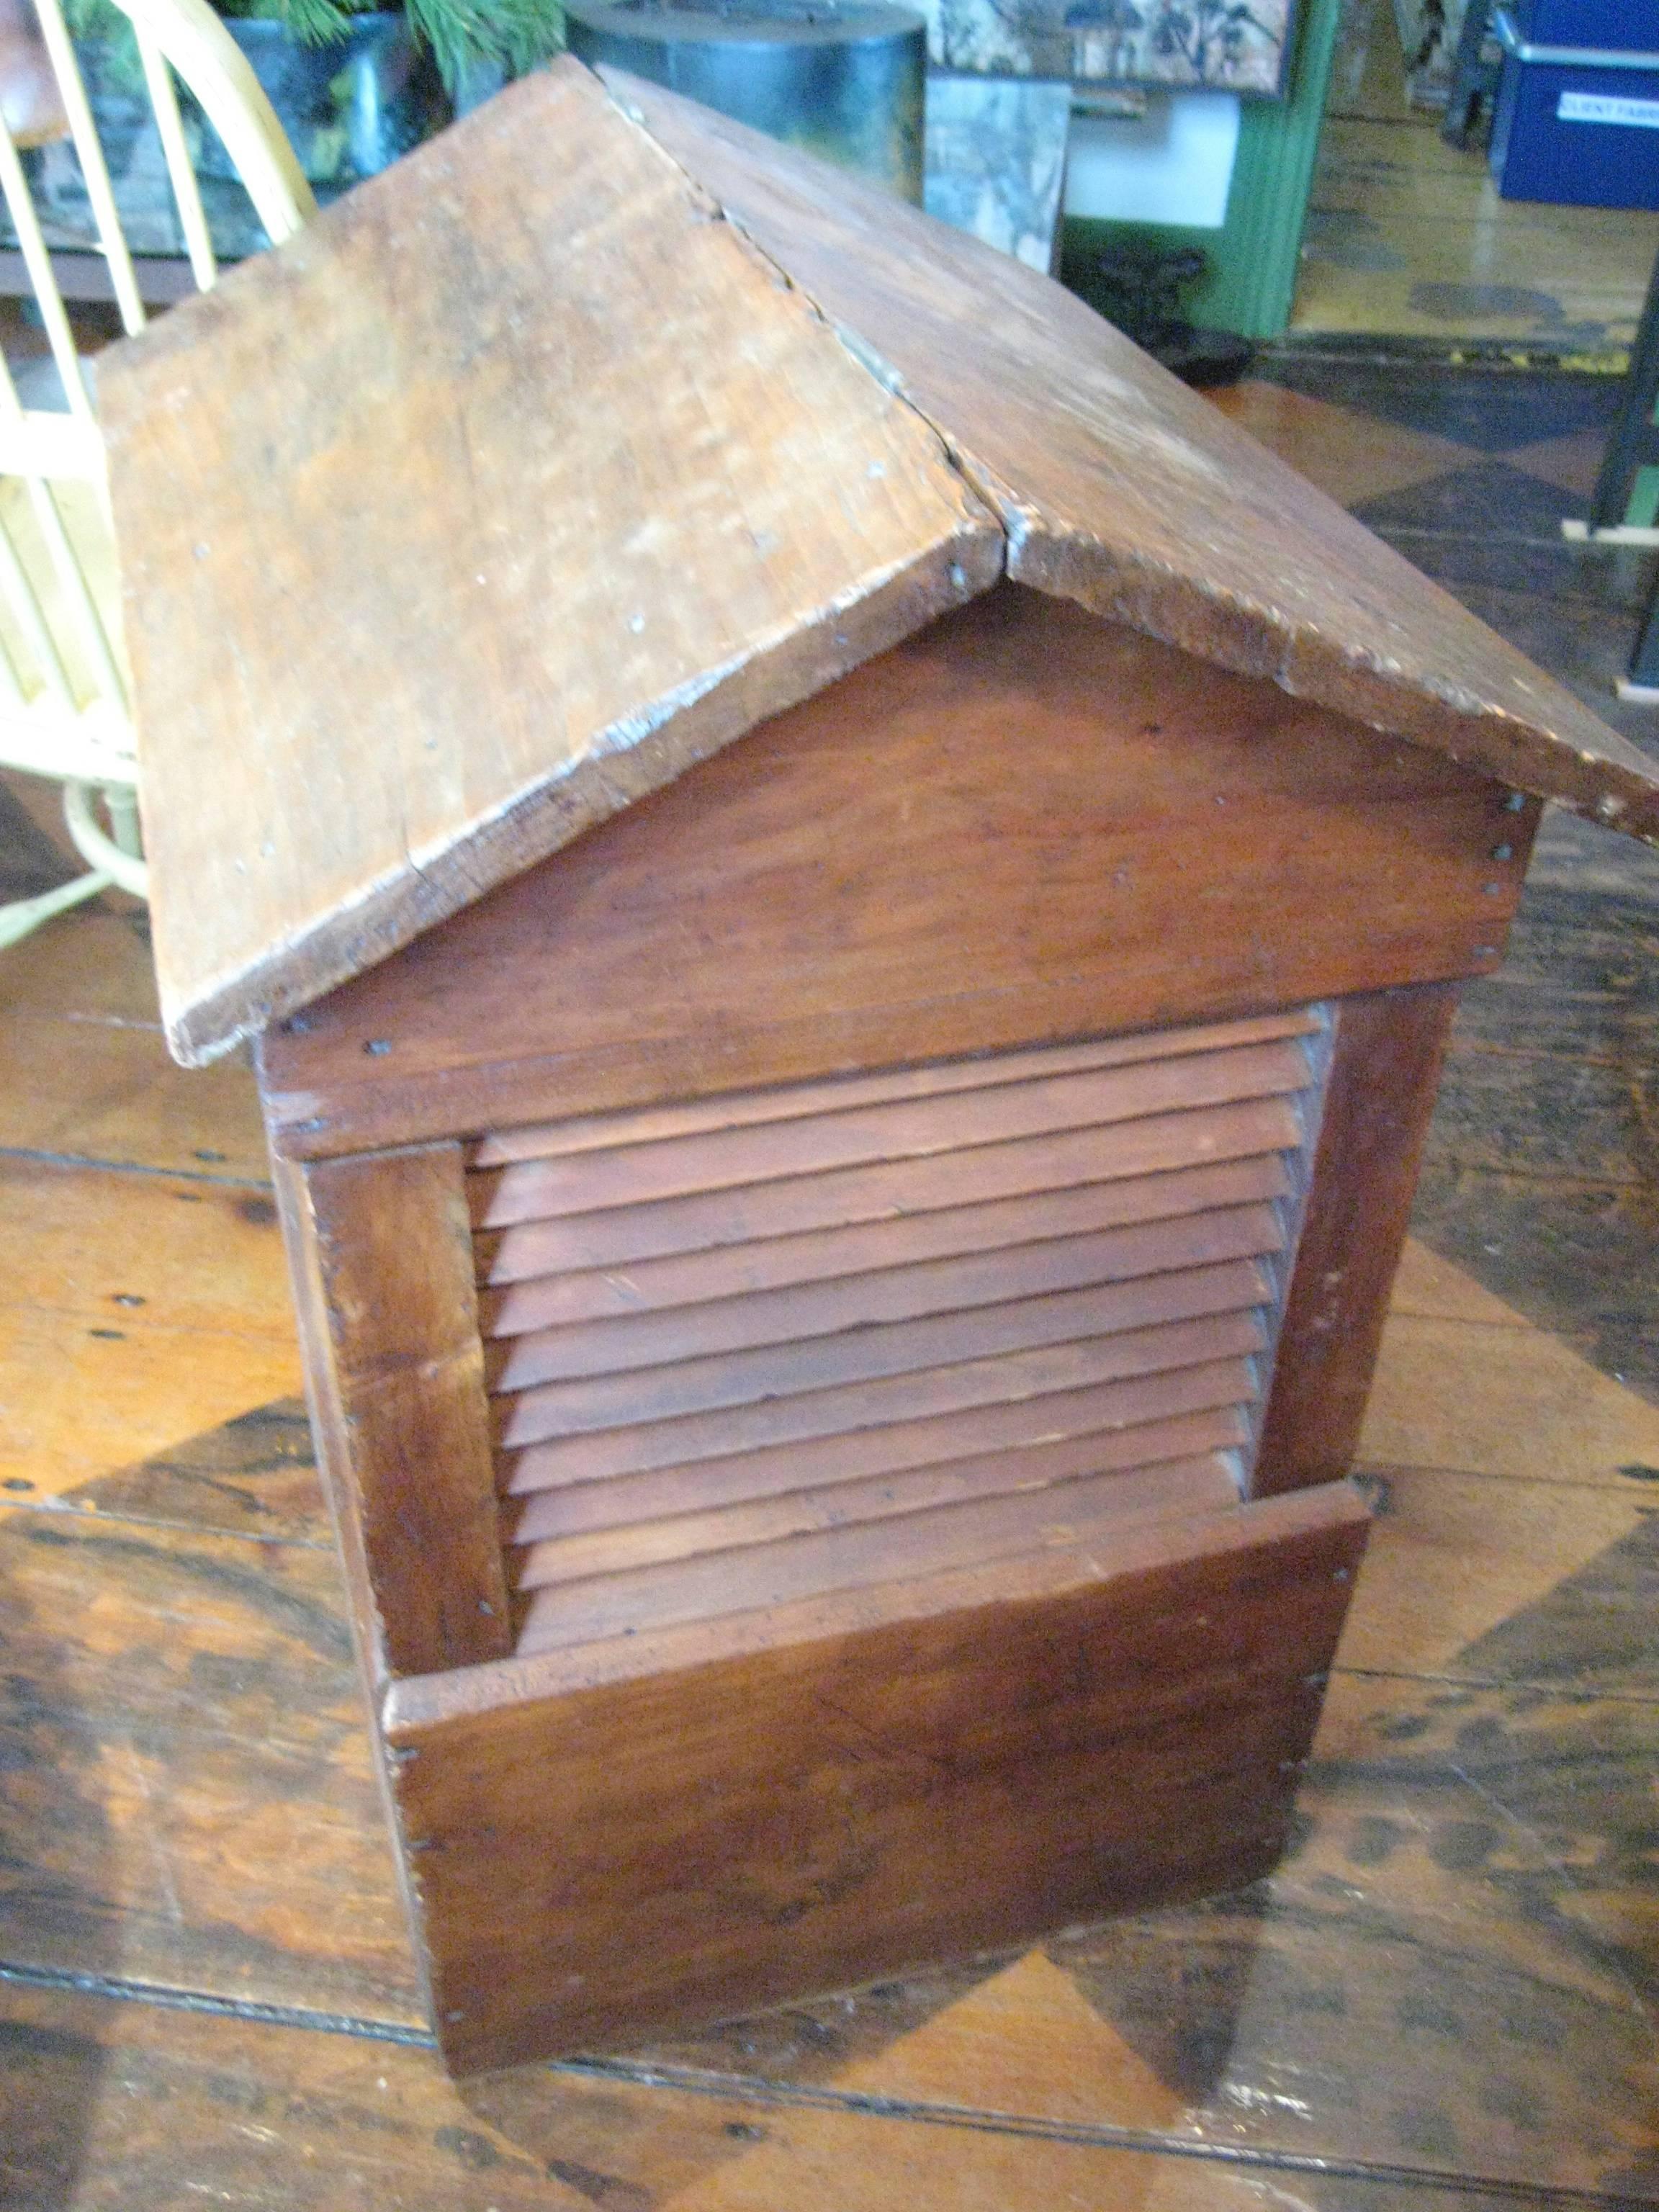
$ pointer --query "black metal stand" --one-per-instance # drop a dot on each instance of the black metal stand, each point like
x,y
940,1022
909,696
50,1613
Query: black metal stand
x,y
1632,445
1644,661
1635,441
1475,76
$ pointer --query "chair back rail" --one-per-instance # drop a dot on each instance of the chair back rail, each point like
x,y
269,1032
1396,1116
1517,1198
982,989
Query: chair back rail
x,y
63,698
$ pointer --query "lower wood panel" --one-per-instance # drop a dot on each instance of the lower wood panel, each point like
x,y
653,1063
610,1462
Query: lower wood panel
x,y
642,1844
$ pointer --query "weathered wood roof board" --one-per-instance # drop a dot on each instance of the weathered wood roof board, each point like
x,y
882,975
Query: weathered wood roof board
x,y
520,482
1123,490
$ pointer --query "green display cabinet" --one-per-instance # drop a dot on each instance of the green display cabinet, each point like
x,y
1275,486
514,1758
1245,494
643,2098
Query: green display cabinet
x,y
1250,277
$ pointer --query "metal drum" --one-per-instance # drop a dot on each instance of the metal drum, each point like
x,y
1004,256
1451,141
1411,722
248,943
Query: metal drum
x,y
845,81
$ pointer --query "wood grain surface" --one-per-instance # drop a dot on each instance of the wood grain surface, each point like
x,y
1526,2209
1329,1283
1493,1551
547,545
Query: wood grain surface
x,y
1183,845
674,473
547,1452
1405,1873
574,491
887,1087
1134,1457
190,1800
1122,488
102,2104
1104,1422
589,1296
1385,1073
904,1295
971,1771
995,1104
699,1239
922,1438
1441,2000
395,1365
79,1021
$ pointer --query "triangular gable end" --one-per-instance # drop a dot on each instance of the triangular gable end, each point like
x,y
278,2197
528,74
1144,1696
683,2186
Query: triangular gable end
x,y
579,483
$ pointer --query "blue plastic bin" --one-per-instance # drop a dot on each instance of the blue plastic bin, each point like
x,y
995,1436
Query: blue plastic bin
x,y
1632,24
1579,125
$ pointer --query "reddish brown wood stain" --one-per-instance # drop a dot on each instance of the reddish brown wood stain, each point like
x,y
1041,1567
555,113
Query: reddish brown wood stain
x,y
884,875
715,1029
713,1382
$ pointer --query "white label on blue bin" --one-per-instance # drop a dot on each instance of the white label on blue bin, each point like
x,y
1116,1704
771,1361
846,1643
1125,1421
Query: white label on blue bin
x,y
1602,107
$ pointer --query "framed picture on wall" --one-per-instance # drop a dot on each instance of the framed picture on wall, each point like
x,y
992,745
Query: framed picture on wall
x,y
996,160
1232,46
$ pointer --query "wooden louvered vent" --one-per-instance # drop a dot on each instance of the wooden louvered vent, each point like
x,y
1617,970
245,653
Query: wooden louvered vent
x,y
780,1343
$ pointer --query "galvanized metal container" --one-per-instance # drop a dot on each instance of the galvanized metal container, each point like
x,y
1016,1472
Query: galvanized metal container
x,y
844,82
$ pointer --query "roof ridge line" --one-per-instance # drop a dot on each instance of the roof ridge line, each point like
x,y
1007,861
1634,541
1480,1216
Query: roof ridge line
x,y
997,500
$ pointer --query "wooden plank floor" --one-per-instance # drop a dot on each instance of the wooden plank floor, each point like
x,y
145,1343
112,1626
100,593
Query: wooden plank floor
x,y
1408,236
1445,1998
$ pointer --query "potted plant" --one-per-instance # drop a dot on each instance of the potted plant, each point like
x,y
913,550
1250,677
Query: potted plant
x,y
355,84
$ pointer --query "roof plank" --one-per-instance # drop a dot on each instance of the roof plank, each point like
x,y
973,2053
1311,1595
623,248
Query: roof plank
x,y
1123,490
522,481
516,484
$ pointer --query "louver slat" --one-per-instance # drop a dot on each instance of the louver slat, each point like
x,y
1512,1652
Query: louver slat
x,y
796,1512
815,1415
747,1349
794,1101
1073,1161
1106,1421
789,1315
907,1128
873,1550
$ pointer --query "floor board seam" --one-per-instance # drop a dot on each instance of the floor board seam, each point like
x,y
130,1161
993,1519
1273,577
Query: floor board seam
x,y
35,1155
758,2090
1536,1056
97,1517
1568,1185
1579,1692
1519,1324
1448,1162
1380,1469
1102,2135
168,1998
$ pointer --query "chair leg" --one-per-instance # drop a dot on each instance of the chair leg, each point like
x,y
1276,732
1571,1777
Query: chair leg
x,y
23,916
122,806
115,859
107,853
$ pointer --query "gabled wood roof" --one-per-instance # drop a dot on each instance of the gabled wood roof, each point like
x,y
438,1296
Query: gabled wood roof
x,y
521,481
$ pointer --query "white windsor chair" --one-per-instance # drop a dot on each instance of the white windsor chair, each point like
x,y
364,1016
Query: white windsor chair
x,y
64,703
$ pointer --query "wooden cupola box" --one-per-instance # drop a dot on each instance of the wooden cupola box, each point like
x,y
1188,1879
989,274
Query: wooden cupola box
x,y
851,904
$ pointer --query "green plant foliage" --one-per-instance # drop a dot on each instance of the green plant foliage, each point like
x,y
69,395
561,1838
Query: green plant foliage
x,y
312,22
121,71
515,34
